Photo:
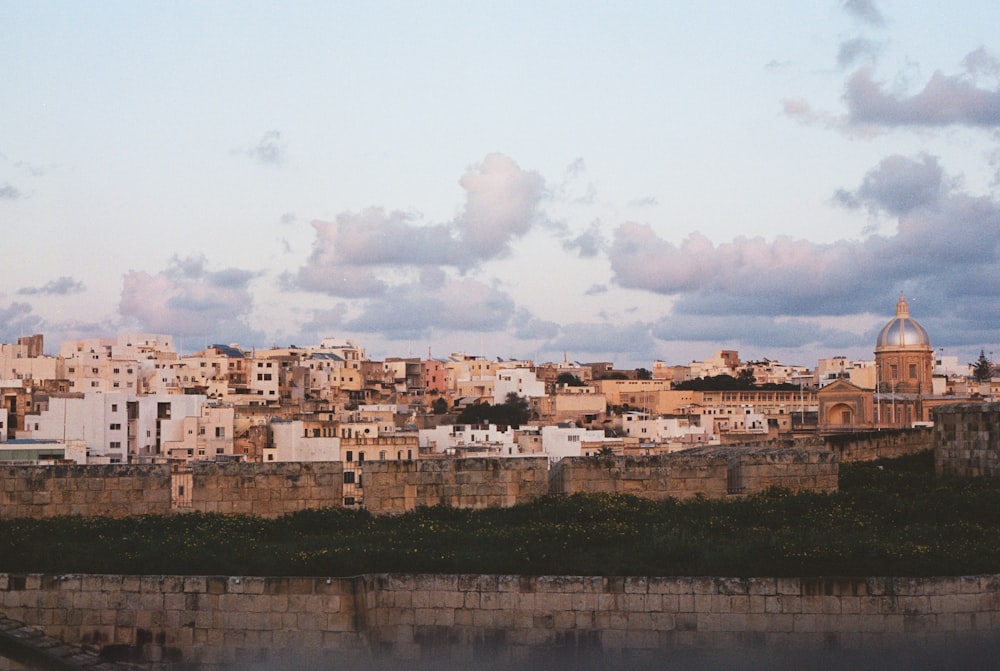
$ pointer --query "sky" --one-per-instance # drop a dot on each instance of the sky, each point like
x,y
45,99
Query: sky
x,y
623,182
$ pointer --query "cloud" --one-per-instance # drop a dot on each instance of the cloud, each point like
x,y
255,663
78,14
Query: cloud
x,y
269,150
865,11
188,299
358,254
501,203
945,249
418,309
752,330
17,320
944,101
853,50
8,192
603,338
980,63
61,286
899,185
800,110
349,252
589,243
527,326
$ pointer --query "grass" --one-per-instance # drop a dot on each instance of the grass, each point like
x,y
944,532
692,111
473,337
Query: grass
x,y
891,517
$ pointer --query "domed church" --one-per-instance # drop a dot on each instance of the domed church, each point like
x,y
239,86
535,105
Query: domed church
x,y
904,358
903,395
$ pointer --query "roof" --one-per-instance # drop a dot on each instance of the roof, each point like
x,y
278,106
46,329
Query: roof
x,y
229,350
902,330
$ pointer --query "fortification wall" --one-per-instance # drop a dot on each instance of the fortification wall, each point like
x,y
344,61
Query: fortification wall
x,y
398,486
118,491
269,489
967,439
493,620
712,472
884,444
966,436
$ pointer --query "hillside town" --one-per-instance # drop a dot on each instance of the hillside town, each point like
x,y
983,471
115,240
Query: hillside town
x,y
133,399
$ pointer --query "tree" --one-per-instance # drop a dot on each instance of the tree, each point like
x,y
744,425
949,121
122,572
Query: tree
x,y
570,380
514,411
982,370
746,378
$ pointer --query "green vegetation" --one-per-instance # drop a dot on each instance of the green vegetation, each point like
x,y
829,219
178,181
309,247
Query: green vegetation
x,y
745,381
514,411
890,518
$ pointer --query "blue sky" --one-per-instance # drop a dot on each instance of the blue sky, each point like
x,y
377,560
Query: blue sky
x,y
624,182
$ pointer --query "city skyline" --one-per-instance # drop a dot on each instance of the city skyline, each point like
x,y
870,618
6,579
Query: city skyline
x,y
629,184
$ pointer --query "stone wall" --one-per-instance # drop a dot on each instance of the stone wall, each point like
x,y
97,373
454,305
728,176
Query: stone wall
x,y
884,444
119,491
494,621
397,486
709,471
967,439
269,489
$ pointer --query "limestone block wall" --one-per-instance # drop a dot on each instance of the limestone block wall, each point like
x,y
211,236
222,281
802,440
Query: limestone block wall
x,y
967,439
884,444
491,620
810,470
709,471
195,621
654,477
46,491
397,486
269,489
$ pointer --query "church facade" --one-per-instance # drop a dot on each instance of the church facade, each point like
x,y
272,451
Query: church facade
x,y
904,362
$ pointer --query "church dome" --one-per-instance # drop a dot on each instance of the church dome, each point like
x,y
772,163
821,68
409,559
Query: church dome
x,y
903,330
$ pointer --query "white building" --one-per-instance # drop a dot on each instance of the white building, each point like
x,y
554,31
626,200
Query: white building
x,y
677,430
520,381
117,427
469,440
293,442
568,440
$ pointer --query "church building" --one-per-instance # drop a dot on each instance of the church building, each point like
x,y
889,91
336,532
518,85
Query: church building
x,y
904,362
